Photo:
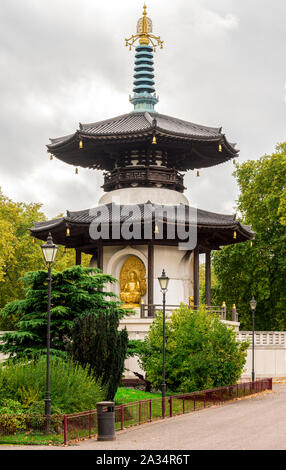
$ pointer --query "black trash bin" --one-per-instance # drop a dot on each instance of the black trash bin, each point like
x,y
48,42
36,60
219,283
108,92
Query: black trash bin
x,y
105,421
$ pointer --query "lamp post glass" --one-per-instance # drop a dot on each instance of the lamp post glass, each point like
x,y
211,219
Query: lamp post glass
x,y
49,250
164,281
253,304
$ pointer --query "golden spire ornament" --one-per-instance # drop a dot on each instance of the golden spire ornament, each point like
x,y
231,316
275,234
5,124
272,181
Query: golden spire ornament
x,y
144,33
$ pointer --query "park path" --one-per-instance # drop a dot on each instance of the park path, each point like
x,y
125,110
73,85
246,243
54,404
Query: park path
x,y
253,423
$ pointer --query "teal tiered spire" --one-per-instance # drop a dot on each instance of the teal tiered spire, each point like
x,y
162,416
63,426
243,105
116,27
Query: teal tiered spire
x,y
144,98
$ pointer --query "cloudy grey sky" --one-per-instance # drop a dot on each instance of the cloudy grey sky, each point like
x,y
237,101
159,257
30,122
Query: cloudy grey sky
x,y
64,62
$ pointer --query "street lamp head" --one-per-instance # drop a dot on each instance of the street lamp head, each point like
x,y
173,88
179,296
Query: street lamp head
x,y
49,250
163,281
253,304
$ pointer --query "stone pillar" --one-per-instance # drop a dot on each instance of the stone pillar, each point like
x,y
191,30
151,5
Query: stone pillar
x,y
150,274
196,277
208,277
100,255
77,257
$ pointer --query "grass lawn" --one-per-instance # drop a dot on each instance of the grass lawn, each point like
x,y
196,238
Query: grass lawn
x,y
29,439
130,395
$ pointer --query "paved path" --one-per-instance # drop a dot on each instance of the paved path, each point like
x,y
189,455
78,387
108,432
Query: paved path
x,y
252,423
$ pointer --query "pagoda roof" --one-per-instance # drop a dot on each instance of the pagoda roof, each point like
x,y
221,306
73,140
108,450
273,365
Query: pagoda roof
x,y
195,146
214,229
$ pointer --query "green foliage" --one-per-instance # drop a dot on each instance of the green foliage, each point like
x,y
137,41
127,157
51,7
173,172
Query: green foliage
x,y
131,395
96,342
243,271
201,352
72,387
203,285
20,253
12,418
75,290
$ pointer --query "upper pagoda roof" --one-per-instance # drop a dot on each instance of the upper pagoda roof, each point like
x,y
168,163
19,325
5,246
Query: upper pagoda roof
x,y
195,146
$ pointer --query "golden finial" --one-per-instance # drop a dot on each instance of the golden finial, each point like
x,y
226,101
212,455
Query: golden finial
x,y
144,33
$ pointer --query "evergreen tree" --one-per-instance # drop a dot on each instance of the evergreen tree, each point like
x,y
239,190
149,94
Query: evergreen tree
x,y
74,291
96,342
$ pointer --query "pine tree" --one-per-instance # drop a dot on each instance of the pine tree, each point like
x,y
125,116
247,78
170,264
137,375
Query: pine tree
x,y
74,291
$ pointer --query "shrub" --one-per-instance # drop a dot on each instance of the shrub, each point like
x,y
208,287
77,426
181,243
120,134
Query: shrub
x,y
10,417
201,352
72,387
97,342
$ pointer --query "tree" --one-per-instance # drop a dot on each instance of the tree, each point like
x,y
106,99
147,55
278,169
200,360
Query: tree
x,y
203,284
201,352
96,342
243,270
20,253
17,252
75,290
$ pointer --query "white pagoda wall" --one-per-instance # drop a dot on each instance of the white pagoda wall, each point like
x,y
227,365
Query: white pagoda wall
x,y
178,265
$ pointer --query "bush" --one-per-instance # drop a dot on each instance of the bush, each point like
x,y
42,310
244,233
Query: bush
x,y
72,388
10,417
97,342
201,352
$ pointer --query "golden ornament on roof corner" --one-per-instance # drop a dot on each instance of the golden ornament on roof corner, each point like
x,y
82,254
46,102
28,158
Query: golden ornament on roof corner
x,y
144,33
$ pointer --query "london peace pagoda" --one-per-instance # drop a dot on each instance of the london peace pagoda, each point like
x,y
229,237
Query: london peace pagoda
x,y
138,227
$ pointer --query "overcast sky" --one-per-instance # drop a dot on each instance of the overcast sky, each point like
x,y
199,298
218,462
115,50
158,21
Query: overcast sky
x,y
65,62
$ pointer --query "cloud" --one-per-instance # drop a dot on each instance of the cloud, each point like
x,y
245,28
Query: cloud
x,y
65,62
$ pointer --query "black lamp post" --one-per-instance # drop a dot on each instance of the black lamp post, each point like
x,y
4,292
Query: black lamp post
x,y
49,251
253,304
164,281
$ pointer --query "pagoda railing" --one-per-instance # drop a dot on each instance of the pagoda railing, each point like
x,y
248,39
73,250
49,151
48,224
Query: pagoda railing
x,y
143,176
149,310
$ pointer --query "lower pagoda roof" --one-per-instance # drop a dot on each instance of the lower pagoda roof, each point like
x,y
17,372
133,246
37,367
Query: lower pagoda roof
x,y
102,143
73,230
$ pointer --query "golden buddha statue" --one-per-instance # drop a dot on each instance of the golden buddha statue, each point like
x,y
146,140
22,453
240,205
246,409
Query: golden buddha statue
x,y
132,282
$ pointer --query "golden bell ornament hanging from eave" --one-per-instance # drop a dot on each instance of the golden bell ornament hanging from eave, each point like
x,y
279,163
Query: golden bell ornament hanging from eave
x,y
68,232
154,140
76,171
51,157
220,148
198,173
81,144
234,235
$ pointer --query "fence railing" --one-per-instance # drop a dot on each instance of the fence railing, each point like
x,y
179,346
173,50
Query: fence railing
x,y
29,429
149,310
264,338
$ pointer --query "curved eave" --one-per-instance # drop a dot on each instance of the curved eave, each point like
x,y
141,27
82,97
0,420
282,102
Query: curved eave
x,y
213,233
199,151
